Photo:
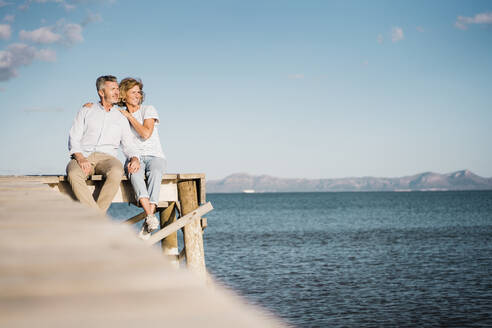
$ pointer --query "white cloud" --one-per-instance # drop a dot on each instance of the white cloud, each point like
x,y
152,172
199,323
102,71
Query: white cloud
x,y
63,33
5,3
41,35
9,18
5,31
47,55
63,3
462,22
296,76
45,1
460,25
91,18
397,34
68,7
72,33
420,29
24,6
380,39
17,55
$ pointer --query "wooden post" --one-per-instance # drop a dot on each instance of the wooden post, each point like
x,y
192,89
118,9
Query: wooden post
x,y
192,233
170,243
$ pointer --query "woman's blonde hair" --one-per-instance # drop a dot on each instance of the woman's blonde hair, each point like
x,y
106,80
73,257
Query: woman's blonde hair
x,y
125,85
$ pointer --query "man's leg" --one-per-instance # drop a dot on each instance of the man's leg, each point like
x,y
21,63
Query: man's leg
x,y
76,178
112,169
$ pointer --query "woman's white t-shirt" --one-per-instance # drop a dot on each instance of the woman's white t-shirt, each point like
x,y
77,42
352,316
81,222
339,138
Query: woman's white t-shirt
x,y
151,146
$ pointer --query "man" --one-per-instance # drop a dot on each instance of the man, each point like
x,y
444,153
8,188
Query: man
x,y
93,142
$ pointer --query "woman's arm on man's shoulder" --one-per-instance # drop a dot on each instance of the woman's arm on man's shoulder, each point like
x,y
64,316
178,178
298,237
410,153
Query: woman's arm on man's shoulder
x,y
144,130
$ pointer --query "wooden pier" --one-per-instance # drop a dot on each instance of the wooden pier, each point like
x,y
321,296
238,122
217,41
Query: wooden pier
x,y
63,264
182,193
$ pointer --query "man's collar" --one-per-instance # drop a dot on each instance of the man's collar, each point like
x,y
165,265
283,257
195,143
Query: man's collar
x,y
102,107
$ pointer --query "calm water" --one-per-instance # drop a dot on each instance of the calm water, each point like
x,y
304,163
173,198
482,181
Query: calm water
x,y
356,259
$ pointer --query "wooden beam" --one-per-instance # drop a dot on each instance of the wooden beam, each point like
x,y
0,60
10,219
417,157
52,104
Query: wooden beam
x,y
136,218
190,176
163,204
192,233
125,193
169,177
181,222
178,207
98,177
170,243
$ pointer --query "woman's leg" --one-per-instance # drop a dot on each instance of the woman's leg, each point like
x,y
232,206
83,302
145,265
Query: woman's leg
x,y
138,183
154,170
147,207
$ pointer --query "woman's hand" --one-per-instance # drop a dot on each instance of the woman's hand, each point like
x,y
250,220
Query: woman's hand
x,y
125,113
134,165
89,104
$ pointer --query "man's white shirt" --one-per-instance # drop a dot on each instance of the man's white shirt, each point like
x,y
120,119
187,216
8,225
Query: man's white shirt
x,y
96,130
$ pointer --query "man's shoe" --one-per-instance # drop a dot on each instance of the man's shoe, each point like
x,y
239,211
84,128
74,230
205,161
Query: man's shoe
x,y
152,223
144,234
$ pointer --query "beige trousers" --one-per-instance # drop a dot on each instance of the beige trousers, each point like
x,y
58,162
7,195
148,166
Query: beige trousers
x,y
104,164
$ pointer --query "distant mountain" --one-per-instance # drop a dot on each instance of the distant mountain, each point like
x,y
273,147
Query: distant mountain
x,y
460,180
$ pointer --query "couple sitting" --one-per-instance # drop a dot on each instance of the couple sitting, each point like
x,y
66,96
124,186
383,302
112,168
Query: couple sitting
x,y
95,136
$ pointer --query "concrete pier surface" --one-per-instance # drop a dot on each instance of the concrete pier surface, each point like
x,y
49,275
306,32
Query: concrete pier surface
x,y
65,265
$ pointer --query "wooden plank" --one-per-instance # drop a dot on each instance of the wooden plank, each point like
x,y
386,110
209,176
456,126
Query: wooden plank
x,y
190,176
170,176
63,264
96,177
125,193
203,190
192,233
168,193
180,223
163,204
136,218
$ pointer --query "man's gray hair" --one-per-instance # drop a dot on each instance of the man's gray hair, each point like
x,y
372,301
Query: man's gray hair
x,y
103,79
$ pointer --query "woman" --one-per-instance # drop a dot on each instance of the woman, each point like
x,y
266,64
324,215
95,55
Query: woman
x,y
143,119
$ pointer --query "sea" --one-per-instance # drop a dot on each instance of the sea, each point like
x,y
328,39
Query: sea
x,y
355,259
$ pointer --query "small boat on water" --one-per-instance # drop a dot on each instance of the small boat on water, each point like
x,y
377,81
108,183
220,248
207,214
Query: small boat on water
x,y
249,191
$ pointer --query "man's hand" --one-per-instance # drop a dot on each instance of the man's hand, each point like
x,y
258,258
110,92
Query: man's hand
x,y
84,164
134,165
125,113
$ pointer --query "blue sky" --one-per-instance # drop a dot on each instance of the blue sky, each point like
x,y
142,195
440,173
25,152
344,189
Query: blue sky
x,y
313,89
